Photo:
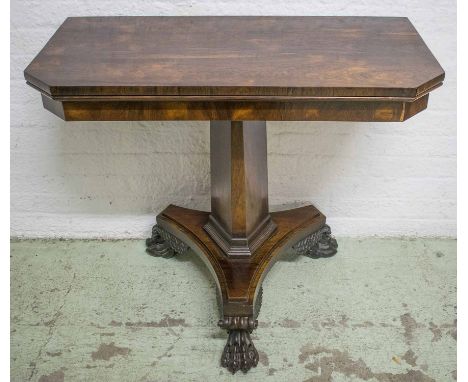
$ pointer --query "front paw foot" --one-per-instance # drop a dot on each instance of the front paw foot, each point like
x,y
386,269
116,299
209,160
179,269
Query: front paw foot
x,y
318,244
239,352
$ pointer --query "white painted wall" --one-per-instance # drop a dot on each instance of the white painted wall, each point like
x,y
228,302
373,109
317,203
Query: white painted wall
x,y
110,179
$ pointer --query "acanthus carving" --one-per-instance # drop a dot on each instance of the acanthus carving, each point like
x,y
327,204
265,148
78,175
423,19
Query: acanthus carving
x,y
244,323
164,244
318,244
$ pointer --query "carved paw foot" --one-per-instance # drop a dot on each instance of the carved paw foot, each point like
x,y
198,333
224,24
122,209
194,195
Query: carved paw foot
x,y
239,352
163,244
319,244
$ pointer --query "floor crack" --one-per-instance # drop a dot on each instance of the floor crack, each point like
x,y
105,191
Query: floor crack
x,y
51,325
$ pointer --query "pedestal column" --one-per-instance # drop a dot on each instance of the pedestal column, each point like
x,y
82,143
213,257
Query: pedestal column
x,y
239,240
239,221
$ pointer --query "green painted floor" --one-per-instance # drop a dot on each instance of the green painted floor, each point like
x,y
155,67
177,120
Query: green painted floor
x,y
380,310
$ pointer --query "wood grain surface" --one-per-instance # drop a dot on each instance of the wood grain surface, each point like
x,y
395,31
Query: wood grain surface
x,y
238,280
291,110
235,56
239,221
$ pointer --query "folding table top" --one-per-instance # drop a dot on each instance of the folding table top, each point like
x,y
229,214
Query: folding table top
x,y
235,68
258,57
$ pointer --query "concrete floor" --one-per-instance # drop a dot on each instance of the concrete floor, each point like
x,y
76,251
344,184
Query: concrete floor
x,y
380,310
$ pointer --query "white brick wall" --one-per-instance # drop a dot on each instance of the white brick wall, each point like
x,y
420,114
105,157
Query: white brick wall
x,y
110,179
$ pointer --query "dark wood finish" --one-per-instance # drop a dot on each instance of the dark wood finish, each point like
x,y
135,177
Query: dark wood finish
x,y
228,70
239,222
238,280
272,55
235,68
300,110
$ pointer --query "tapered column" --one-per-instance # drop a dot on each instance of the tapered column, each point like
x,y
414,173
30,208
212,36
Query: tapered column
x,y
239,221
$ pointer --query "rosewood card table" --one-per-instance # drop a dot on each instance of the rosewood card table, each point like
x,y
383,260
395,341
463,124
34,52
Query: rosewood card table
x,y
237,73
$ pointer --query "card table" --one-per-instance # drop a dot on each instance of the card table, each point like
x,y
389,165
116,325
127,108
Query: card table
x,y
237,72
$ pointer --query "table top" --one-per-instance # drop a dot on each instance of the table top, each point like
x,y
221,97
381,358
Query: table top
x,y
259,57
